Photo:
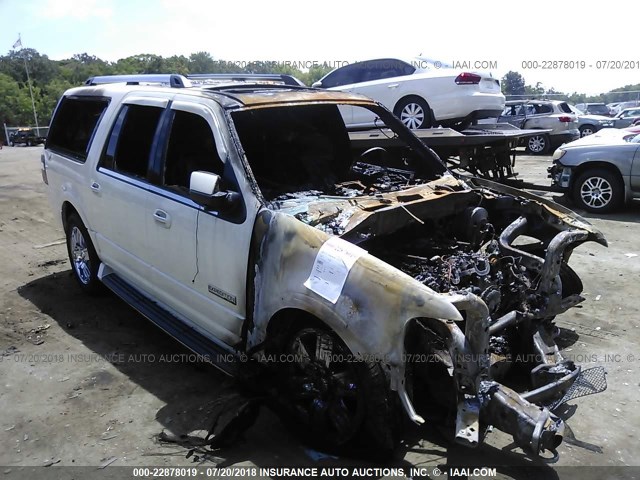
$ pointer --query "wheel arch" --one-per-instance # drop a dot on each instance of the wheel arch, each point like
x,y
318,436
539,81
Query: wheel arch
x,y
409,96
288,320
592,165
67,210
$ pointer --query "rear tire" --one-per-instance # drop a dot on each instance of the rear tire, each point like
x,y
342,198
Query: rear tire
x,y
598,191
538,144
587,130
82,255
414,112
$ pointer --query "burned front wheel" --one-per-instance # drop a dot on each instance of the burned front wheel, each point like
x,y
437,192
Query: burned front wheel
x,y
335,401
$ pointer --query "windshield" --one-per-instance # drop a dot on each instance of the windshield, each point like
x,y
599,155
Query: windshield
x,y
307,150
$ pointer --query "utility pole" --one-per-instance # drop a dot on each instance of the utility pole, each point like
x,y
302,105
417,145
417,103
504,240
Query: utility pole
x,y
26,68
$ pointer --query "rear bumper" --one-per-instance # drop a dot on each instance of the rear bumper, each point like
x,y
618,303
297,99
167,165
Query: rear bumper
x,y
472,117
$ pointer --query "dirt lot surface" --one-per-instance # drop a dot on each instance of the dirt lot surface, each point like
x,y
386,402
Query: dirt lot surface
x,y
87,381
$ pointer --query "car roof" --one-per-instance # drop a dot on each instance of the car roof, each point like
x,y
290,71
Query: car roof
x,y
231,95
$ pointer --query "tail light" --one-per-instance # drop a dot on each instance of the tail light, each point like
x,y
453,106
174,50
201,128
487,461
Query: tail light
x,y
468,79
565,119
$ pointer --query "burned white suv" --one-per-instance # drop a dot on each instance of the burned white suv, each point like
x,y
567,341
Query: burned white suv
x,y
352,269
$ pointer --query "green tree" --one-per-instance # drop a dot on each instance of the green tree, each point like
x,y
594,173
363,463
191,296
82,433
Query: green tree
x,y
513,84
41,69
82,66
15,104
177,64
201,62
139,64
537,90
314,74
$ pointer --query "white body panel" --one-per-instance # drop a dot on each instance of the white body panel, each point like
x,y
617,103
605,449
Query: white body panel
x,y
190,261
436,86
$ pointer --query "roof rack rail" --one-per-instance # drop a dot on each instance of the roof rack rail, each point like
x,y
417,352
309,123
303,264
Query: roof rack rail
x,y
172,80
248,77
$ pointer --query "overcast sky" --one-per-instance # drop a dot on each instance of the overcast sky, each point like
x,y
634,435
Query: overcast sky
x,y
505,34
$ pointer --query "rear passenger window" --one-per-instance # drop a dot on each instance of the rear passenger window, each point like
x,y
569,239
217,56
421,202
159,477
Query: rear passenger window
x,y
74,125
565,108
131,140
191,148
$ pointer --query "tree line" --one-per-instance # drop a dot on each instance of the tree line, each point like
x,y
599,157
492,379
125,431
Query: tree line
x,y
513,84
50,78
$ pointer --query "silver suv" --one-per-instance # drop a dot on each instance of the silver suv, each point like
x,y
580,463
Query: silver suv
x,y
555,117
360,284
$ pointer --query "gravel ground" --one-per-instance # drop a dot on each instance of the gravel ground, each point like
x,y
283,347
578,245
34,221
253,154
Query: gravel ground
x,y
87,381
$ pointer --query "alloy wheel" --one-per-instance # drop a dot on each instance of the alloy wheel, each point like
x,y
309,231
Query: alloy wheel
x,y
596,192
80,256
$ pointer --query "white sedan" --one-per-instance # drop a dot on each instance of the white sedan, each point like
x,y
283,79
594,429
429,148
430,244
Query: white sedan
x,y
421,92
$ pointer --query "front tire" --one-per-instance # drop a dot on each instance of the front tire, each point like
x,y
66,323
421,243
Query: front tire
x,y
598,191
336,402
414,112
82,255
538,144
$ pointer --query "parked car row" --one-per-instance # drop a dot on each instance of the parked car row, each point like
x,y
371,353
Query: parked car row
x,y
608,110
562,121
627,117
594,109
555,118
617,107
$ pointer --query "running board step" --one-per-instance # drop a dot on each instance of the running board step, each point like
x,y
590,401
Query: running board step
x,y
217,356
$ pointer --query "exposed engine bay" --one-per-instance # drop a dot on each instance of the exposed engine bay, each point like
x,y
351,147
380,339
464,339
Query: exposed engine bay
x,y
460,253
498,255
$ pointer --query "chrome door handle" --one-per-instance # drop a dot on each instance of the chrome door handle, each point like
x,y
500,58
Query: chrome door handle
x,y
162,217
393,85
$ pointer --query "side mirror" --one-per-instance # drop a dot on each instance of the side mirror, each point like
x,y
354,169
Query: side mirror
x,y
204,189
317,84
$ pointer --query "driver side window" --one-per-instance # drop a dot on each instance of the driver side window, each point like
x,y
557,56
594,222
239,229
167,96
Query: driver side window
x,y
191,148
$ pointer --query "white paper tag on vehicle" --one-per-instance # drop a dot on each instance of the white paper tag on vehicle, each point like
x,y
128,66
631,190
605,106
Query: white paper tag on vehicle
x,y
331,267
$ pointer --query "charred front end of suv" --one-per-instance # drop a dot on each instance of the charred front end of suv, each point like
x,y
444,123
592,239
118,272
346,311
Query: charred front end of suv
x,y
451,288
